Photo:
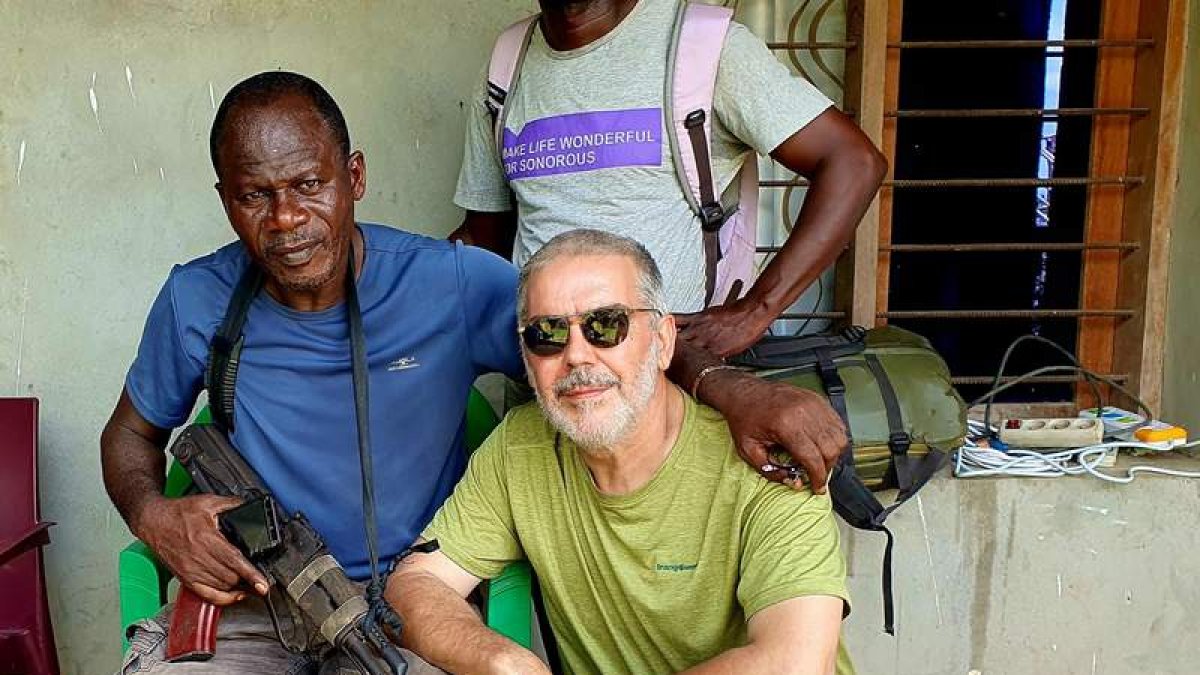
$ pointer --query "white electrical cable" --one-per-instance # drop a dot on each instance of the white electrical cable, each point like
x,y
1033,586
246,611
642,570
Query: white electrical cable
x,y
973,461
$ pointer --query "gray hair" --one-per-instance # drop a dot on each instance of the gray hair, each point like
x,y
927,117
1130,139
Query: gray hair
x,y
594,242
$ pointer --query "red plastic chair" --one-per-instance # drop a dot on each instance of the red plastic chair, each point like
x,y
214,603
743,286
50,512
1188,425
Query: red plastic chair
x,y
26,636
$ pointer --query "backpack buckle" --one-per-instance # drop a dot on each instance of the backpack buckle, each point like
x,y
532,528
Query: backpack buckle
x,y
712,217
899,443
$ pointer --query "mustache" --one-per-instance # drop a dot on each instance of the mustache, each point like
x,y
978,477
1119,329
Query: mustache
x,y
582,377
290,239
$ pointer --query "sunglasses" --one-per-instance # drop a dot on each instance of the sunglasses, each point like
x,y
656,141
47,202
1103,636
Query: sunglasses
x,y
603,327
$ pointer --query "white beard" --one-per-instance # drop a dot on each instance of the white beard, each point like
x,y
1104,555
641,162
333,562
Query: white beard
x,y
594,432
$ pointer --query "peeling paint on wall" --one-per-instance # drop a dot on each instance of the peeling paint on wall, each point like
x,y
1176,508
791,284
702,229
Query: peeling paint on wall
x,y
21,336
933,576
95,104
20,160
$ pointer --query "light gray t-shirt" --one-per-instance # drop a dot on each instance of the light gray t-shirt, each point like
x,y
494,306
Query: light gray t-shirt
x,y
585,143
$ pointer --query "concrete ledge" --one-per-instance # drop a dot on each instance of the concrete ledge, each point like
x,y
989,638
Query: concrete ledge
x,y
1021,576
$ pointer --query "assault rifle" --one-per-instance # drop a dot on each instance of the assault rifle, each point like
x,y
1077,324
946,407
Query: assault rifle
x,y
323,602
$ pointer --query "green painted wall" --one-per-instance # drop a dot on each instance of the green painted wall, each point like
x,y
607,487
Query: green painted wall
x,y
1181,382
106,202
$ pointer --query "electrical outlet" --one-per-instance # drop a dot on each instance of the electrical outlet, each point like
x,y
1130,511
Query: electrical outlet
x,y
1066,432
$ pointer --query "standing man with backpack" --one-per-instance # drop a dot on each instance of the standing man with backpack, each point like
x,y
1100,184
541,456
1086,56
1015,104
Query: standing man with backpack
x,y
644,118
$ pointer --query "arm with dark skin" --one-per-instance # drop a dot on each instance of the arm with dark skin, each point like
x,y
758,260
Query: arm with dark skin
x,y
495,232
844,170
182,531
764,415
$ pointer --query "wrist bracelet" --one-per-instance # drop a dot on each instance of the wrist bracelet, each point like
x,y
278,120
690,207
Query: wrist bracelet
x,y
709,369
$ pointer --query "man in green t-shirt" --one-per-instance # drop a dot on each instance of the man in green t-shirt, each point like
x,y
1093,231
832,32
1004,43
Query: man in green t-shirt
x,y
657,549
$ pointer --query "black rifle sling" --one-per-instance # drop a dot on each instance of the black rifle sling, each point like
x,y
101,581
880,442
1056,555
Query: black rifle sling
x,y
851,499
712,214
225,349
380,611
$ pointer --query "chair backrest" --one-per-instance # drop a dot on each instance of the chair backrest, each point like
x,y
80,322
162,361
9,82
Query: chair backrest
x,y
26,636
481,419
18,465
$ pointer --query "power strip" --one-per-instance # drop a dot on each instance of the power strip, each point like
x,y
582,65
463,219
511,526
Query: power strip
x,y
1063,432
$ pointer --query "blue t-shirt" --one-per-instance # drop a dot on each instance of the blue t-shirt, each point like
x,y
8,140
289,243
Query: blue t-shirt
x,y
435,316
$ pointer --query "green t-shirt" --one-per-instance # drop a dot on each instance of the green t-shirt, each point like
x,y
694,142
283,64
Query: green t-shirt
x,y
653,581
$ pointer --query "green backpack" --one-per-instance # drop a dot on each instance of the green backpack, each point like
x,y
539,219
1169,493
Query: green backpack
x,y
893,392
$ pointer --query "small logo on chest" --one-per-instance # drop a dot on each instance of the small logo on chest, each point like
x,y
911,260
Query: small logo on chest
x,y
676,567
403,363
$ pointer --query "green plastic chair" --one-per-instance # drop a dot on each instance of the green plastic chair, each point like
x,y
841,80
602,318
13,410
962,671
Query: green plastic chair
x,y
143,578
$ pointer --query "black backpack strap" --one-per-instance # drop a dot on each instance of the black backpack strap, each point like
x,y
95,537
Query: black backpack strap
x,y
910,474
225,349
851,499
712,214
835,389
889,604
898,439
800,351
861,510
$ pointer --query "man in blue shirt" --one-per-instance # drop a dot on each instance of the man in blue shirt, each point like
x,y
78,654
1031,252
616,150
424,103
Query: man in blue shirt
x,y
436,315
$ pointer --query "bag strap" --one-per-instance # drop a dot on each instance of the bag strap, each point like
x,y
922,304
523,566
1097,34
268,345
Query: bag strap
x,y
225,349
694,58
910,474
898,439
799,351
504,69
851,499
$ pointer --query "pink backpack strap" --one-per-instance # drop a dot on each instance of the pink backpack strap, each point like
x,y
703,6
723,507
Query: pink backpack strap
x,y
504,69
691,85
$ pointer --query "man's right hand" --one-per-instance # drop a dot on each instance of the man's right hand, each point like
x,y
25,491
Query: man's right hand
x,y
183,533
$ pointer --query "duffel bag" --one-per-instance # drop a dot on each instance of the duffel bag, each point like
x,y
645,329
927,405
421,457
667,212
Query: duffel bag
x,y
893,392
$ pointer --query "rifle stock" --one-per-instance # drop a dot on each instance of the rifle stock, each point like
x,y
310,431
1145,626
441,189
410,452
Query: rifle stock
x,y
193,632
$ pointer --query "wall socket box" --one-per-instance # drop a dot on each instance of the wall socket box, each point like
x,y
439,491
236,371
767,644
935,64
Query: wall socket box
x,y
1062,432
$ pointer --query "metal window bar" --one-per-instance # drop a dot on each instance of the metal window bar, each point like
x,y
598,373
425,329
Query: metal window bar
x,y
1015,112
1021,44
1139,43
1006,314
1015,247
1119,378
982,182
976,314
991,247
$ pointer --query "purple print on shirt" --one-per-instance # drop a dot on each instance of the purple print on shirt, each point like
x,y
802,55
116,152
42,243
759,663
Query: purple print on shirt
x,y
584,142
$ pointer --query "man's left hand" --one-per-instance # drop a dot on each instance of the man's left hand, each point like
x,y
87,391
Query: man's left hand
x,y
766,416
724,330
